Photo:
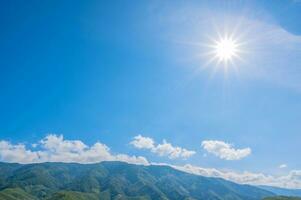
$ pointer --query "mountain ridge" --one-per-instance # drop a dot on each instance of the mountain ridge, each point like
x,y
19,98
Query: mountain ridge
x,y
117,180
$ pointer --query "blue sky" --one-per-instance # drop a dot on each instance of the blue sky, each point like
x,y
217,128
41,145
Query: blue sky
x,y
100,71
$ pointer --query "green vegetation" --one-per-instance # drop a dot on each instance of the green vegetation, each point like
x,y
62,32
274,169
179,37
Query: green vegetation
x,y
70,195
115,181
15,194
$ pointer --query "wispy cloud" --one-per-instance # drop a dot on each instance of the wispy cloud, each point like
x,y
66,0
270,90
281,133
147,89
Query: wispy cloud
x,y
54,148
282,166
224,150
163,149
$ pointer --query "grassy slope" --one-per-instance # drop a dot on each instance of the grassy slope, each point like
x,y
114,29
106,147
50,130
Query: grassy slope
x,y
15,194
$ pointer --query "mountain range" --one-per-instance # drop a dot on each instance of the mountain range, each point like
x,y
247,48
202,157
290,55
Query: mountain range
x,y
115,181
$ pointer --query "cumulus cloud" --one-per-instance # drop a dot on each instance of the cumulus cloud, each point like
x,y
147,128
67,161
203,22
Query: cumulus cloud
x,y
141,142
17,153
224,150
54,148
163,149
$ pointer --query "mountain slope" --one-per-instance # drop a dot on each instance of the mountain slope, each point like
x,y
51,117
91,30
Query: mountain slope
x,y
283,191
15,194
117,180
282,198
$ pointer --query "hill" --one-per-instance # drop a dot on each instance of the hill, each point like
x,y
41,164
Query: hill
x,y
115,180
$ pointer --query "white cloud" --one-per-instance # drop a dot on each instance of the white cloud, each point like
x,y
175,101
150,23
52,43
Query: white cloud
x,y
283,166
224,150
55,148
17,153
141,142
291,180
164,149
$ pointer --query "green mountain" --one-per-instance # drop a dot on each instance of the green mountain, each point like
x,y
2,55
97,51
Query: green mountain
x,y
115,181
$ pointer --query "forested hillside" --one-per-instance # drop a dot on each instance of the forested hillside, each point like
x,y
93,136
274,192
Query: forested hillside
x,y
115,180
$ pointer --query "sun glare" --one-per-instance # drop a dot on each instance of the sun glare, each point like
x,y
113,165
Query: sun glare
x,y
225,49
224,52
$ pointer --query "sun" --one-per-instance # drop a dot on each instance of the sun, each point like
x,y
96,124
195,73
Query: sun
x,y
225,49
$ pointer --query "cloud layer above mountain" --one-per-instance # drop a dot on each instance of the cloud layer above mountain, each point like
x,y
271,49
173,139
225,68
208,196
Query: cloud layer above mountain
x,y
54,148
290,180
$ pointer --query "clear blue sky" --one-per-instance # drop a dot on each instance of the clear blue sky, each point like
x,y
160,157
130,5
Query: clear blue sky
x,y
110,70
